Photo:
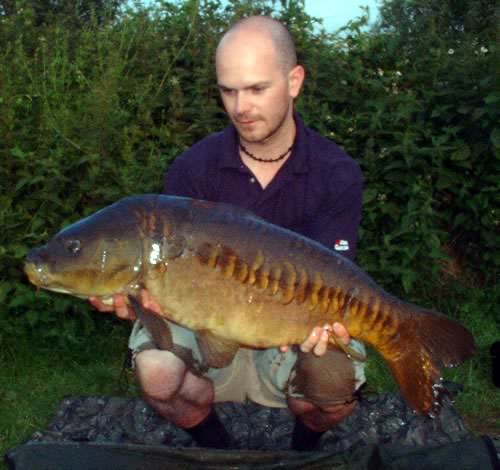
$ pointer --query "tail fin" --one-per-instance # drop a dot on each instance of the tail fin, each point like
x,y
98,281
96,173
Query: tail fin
x,y
425,343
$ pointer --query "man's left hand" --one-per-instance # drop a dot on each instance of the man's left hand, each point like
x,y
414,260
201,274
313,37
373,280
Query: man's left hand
x,y
317,341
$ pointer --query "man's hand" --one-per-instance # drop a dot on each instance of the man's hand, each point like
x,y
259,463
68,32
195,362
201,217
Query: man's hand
x,y
317,341
122,309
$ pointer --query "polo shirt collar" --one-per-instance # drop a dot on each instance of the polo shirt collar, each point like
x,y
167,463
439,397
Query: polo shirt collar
x,y
298,161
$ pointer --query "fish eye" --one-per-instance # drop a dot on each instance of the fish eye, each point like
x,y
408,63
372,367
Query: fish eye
x,y
73,246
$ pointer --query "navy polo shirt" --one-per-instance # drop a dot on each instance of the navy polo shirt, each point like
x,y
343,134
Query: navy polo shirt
x,y
317,192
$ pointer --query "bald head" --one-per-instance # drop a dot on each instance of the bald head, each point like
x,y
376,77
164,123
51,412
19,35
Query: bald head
x,y
258,29
259,79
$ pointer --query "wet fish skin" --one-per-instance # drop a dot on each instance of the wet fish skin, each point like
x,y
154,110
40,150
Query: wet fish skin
x,y
240,281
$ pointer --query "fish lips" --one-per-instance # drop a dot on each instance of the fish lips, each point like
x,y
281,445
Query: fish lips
x,y
38,274
36,268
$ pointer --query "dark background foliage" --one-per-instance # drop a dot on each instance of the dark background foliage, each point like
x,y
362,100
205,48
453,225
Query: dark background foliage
x,y
98,97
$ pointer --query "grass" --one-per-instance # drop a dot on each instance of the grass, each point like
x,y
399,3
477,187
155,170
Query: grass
x,y
476,307
478,403
36,376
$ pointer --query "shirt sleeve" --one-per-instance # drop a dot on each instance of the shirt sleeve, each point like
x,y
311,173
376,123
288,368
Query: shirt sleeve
x,y
179,181
337,225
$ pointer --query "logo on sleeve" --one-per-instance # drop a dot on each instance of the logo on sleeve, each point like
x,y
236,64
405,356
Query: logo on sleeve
x,y
341,245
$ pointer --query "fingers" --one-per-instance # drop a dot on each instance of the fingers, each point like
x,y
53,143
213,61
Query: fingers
x,y
317,341
98,304
148,302
122,309
118,305
125,311
341,333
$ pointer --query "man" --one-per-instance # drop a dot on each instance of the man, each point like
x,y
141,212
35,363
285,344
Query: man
x,y
268,162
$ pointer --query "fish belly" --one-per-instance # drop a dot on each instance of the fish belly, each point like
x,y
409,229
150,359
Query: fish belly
x,y
200,298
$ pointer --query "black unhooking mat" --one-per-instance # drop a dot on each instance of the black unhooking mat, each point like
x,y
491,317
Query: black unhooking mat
x,y
93,433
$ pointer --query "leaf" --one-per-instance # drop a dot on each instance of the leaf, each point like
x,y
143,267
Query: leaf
x,y
464,109
493,98
495,137
478,113
459,220
369,195
5,289
20,300
462,154
29,181
18,152
408,278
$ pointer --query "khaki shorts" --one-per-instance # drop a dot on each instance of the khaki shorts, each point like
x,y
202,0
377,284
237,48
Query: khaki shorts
x,y
263,376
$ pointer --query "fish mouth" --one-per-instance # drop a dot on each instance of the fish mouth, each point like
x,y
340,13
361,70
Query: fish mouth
x,y
37,273
39,276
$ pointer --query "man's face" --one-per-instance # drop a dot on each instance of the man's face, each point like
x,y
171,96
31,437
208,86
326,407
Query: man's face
x,y
256,90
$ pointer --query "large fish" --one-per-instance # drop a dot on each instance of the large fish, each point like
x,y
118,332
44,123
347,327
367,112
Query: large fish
x,y
239,281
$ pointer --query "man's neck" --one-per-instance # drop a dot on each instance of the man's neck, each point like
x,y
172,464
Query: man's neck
x,y
265,172
276,144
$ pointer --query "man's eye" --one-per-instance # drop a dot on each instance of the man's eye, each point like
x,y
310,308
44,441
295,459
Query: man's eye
x,y
73,246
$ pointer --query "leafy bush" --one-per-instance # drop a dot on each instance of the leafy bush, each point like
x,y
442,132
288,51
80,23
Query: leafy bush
x,y
415,103
97,111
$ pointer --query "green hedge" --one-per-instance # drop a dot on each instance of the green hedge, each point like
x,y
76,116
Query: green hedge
x,y
96,112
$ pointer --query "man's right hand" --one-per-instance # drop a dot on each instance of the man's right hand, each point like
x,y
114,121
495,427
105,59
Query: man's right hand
x,y
122,309
119,307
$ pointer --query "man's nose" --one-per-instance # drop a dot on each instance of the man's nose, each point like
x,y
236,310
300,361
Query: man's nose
x,y
243,103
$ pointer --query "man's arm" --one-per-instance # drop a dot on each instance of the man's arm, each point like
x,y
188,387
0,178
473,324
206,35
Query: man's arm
x,y
181,180
336,226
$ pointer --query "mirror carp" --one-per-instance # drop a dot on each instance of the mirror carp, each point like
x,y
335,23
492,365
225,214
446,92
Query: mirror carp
x,y
239,281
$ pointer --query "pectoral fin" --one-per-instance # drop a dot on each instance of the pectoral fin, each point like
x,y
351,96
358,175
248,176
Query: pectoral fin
x,y
156,325
216,351
349,350
162,337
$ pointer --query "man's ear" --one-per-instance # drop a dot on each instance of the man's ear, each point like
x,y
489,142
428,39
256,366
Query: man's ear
x,y
295,80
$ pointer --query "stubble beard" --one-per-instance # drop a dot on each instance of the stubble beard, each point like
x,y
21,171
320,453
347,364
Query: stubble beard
x,y
270,134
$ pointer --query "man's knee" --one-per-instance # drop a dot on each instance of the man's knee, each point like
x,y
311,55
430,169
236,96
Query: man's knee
x,y
164,377
325,380
160,373
320,418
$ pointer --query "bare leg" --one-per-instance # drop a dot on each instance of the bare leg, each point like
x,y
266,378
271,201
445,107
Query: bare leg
x,y
311,421
174,392
317,418
327,383
180,396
